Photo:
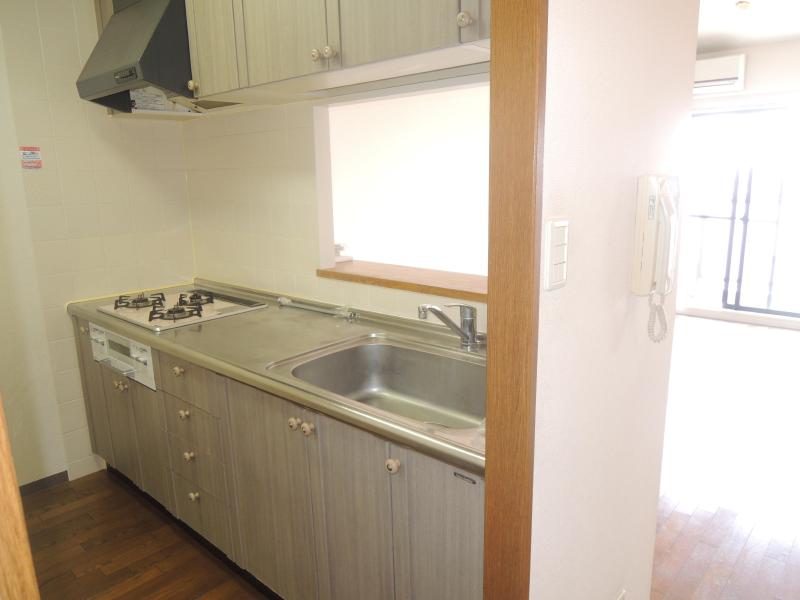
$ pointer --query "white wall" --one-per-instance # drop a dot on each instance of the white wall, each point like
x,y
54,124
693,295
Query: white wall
x,y
618,91
106,208
28,397
772,74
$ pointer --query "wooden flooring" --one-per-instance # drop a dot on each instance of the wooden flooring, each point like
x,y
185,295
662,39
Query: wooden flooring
x,y
97,537
729,514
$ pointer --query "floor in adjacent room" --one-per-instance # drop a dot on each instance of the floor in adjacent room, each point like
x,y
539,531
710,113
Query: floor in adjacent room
x,y
97,537
729,515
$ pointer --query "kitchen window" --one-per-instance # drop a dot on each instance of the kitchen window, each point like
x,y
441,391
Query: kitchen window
x,y
404,188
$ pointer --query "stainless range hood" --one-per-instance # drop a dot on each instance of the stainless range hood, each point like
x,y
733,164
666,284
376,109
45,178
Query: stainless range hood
x,y
145,44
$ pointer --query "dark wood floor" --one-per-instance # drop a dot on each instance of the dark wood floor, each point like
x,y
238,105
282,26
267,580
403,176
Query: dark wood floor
x,y
96,537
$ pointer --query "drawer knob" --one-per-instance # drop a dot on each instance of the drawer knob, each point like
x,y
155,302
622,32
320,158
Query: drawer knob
x,y
464,19
188,456
178,371
183,414
192,85
307,429
194,496
328,51
316,54
294,423
392,465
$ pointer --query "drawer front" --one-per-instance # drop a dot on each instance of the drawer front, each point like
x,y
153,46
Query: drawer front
x,y
195,385
193,425
196,465
203,512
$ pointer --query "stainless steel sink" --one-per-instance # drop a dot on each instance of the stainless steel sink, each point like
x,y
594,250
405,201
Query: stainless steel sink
x,y
426,384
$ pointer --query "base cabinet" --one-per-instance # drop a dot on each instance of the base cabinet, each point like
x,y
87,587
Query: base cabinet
x,y
120,419
329,511
93,394
151,441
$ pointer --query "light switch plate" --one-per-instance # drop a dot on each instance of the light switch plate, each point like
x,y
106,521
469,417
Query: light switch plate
x,y
555,248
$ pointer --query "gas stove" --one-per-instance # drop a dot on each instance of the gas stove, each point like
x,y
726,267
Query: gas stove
x,y
158,311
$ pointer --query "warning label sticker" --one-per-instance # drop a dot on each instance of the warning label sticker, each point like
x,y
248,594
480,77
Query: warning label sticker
x,y
31,157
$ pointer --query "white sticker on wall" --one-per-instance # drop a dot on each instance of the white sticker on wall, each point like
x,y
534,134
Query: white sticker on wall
x,y
31,157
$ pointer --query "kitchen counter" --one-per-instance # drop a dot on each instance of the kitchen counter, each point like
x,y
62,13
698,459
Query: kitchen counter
x,y
242,346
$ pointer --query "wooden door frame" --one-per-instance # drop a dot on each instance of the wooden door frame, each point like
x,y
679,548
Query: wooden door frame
x,y
518,65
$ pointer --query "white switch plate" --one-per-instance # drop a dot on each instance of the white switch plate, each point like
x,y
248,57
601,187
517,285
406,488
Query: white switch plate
x,y
555,248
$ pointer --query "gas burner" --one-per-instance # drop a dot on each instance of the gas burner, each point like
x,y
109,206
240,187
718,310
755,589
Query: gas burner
x,y
140,301
176,313
196,298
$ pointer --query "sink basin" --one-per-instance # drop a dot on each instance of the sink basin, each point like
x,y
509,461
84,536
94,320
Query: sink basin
x,y
427,386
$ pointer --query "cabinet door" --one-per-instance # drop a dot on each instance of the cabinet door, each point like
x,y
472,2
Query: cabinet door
x,y
354,510
212,40
151,437
280,36
94,395
438,529
121,422
373,30
273,492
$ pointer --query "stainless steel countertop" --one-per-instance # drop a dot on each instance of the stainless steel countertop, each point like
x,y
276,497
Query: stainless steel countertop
x,y
242,346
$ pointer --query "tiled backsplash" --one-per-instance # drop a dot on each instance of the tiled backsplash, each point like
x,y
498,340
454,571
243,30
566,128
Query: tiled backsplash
x,y
110,201
252,191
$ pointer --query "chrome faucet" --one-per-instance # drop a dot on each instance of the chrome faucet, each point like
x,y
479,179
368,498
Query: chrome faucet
x,y
468,331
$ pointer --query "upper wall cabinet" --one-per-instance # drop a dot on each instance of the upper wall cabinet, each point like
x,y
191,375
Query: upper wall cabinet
x,y
245,43
285,38
373,30
213,43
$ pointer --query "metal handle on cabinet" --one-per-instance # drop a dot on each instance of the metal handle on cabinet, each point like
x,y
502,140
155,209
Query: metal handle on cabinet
x,y
188,456
464,19
178,371
316,55
294,423
328,51
307,429
183,414
194,496
392,465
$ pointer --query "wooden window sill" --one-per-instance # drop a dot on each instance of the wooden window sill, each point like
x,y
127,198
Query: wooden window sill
x,y
412,279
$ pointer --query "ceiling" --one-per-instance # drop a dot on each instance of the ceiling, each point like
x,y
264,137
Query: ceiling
x,y
724,26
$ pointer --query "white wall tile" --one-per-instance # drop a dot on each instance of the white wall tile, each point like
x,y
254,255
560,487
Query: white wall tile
x,y
77,444
85,466
73,416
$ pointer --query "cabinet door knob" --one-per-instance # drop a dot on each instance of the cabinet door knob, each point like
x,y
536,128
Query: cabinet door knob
x,y
194,496
316,54
178,371
192,85
464,19
328,51
84,329
294,423
392,465
123,386
307,429
183,415
188,456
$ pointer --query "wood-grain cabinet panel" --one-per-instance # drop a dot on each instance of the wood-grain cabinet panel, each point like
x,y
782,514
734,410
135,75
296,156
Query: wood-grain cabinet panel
x,y
203,512
93,394
191,383
151,436
194,425
117,390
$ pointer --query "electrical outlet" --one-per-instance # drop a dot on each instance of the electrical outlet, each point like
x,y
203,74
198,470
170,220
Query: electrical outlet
x,y
622,595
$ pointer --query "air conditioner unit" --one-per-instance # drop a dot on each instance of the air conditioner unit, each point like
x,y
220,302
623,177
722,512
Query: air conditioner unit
x,y
719,75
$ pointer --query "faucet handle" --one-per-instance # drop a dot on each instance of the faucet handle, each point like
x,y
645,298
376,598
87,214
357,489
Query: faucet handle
x,y
467,310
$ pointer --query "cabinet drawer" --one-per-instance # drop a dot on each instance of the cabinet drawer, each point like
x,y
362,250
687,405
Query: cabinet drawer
x,y
196,465
193,425
195,385
203,512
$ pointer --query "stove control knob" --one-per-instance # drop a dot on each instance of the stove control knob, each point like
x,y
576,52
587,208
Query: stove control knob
x,y
178,371
183,414
188,456
307,429
194,496
294,423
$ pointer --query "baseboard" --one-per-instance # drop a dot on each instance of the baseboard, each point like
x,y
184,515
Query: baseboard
x,y
43,484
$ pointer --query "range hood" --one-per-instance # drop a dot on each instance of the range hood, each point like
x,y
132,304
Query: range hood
x,y
145,44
